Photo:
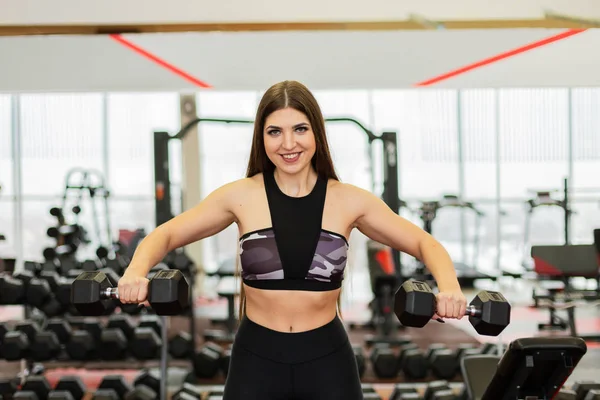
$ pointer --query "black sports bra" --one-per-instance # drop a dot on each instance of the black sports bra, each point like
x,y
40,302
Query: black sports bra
x,y
295,253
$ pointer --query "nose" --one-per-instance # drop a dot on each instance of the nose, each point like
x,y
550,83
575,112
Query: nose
x,y
289,141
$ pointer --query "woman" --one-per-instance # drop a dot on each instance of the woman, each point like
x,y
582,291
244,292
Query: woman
x,y
294,219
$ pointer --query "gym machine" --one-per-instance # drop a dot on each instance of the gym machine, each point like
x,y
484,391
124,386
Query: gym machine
x,y
466,273
531,368
79,182
562,263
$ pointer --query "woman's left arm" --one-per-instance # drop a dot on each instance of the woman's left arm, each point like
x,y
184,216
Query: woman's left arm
x,y
377,221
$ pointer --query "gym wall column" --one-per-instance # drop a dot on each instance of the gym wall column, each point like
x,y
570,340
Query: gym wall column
x,y
17,178
461,175
191,173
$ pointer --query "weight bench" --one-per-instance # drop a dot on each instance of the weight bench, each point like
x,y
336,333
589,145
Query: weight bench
x,y
531,368
561,263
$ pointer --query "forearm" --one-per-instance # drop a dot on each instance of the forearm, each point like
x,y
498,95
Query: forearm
x,y
439,263
150,251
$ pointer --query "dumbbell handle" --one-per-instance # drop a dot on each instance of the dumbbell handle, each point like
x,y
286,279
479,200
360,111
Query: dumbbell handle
x,y
472,311
110,293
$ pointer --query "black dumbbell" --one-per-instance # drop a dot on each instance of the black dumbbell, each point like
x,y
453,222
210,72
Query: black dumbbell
x,y
168,293
115,337
189,392
33,266
12,290
37,385
146,342
207,360
59,251
84,342
415,305
438,390
369,392
112,387
69,387
404,391
180,345
442,361
359,355
384,361
45,346
145,386
62,230
17,343
412,362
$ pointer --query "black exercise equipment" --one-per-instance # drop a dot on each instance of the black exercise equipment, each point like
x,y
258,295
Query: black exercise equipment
x,y
413,362
83,345
68,387
384,361
384,281
180,345
146,385
415,305
112,387
115,337
91,182
531,368
359,355
12,290
438,390
563,262
188,391
16,344
403,391
62,230
586,390
168,293
466,272
207,360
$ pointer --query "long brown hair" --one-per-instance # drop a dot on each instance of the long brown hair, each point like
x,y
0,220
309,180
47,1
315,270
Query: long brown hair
x,y
288,94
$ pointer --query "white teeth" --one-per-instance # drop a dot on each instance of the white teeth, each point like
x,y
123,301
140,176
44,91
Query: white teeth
x,y
290,156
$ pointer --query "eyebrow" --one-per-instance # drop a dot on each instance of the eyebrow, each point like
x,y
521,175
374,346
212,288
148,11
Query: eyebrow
x,y
294,127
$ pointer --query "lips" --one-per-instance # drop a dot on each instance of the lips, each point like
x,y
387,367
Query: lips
x,y
291,157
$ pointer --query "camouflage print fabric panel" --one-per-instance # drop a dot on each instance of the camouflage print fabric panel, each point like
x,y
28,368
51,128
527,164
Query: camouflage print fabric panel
x,y
260,258
330,259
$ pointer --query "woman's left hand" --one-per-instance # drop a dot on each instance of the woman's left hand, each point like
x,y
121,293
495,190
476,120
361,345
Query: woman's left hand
x,y
451,304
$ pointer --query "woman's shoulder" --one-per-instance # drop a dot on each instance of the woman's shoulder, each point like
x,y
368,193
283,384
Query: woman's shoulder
x,y
244,186
343,189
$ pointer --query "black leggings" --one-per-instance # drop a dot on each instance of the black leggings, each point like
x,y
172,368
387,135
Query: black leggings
x,y
271,365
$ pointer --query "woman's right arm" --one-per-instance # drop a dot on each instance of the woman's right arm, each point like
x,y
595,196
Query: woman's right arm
x,y
209,217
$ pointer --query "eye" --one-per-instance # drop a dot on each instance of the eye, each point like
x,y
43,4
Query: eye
x,y
272,132
302,129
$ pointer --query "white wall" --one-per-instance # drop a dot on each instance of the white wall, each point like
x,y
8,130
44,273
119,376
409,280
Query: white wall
x,y
32,12
322,60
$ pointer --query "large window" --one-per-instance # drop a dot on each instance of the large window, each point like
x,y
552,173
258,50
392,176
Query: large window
x,y
59,132
6,180
224,153
586,164
479,152
427,126
534,137
132,119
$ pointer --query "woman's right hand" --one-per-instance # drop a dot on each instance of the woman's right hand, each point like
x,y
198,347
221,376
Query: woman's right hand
x,y
133,289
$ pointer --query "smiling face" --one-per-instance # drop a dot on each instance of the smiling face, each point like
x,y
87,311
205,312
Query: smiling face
x,y
289,140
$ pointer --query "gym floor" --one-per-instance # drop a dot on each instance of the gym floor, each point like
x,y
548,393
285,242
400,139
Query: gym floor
x,y
524,321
